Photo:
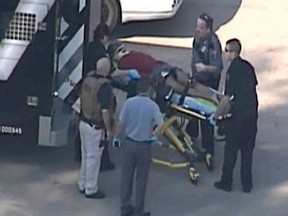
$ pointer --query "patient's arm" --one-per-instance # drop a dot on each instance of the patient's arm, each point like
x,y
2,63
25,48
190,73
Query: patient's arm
x,y
176,86
199,90
195,89
182,77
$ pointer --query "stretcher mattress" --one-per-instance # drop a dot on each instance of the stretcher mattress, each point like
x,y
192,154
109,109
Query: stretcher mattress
x,y
199,105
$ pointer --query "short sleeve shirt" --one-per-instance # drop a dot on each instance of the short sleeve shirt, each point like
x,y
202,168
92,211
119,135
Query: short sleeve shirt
x,y
241,82
143,63
92,53
209,52
140,115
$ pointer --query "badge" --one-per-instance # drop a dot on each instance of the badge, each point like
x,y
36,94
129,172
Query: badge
x,y
203,49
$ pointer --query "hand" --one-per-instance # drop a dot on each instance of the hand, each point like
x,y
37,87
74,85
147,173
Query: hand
x,y
212,120
152,140
200,67
133,74
116,143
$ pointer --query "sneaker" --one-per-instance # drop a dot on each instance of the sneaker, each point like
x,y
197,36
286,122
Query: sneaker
x,y
209,162
107,167
98,195
222,186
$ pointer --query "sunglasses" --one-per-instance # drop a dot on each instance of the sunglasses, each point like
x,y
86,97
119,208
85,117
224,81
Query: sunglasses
x,y
122,49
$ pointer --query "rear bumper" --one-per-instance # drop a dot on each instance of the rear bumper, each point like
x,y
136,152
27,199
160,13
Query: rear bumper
x,y
166,13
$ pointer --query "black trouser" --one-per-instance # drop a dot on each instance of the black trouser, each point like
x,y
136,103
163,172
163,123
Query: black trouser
x,y
136,159
240,136
207,132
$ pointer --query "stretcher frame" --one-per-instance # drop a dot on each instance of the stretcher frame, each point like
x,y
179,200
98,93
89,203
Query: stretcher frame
x,y
175,143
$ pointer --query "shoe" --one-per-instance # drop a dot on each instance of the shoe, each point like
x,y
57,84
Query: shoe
x,y
209,162
98,195
247,189
107,167
222,186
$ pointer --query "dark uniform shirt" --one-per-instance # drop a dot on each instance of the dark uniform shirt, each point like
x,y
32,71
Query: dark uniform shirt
x,y
106,99
104,96
241,83
92,53
209,52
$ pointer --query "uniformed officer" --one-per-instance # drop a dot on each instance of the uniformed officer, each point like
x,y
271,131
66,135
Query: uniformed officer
x,y
206,69
97,106
94,51
138,118
241,128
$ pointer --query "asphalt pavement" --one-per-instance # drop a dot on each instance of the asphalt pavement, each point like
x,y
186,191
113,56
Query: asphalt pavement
x,y
37,181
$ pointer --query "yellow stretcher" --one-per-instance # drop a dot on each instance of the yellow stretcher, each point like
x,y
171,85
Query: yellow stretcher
x,y
181,141
181,108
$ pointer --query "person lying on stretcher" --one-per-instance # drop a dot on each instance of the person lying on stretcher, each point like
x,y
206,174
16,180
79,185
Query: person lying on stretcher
x,y
158,72
163,75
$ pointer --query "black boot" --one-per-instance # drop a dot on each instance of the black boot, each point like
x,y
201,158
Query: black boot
x,y
220,185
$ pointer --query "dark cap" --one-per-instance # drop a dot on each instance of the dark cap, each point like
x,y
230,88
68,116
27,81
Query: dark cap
x,y
113,48
208,19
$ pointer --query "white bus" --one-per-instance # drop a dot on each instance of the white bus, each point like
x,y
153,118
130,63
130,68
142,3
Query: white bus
x,y
121,11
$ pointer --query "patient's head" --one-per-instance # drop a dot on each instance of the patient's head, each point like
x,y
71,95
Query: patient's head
x,y
117,50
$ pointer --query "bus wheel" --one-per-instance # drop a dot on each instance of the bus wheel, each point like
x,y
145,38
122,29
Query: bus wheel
x,y
111,13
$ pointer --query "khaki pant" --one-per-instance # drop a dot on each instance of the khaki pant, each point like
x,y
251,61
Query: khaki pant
x,y
91,157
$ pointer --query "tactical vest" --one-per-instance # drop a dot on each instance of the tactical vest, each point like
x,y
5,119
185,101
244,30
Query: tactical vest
x,y
90,106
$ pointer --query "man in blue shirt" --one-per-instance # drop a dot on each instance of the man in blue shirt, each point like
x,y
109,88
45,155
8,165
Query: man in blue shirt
x,y
206,69
138,118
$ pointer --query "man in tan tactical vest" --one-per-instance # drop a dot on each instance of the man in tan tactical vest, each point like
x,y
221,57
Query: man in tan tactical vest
x,y
97,104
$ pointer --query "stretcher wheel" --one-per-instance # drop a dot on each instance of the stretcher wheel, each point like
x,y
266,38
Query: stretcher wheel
x,y
193,175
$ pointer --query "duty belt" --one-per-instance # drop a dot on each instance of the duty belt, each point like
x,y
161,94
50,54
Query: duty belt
x,y
93,125
140,142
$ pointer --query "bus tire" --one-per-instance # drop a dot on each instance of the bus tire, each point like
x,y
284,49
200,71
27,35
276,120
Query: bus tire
x,y
111,13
